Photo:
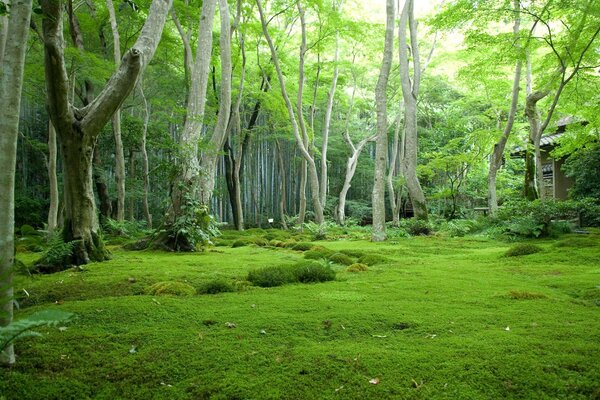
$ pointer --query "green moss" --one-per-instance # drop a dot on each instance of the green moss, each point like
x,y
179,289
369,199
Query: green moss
x,y
357,267
240,243
372,259
340,258
522,249
323,250
314,255
259,241
302,246
271,276
171,287
216,286
524,295
352,253
313,272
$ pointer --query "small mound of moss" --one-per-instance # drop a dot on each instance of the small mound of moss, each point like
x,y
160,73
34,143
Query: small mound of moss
x,y
372,259
522,295
313,272
259,241
340,258
353,253
277,243
323,250
314,255
357,267
302,246
577,242
216,286
223,243
171,287
271,276
288,244
523,249
240,243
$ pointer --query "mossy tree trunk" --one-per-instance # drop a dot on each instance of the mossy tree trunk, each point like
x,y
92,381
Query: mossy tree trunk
x,y
78,128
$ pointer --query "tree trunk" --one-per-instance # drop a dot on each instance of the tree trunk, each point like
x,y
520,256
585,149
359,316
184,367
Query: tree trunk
x,y
393,199
145,168
186,185
101,188
282,186
78,128
52,179
498,152
210,157
381,144
12,60
410,93
300,141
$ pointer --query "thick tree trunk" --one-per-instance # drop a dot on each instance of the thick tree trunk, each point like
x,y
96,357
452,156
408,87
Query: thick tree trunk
x,y
381,144
78,128
12,59
410,93
52,179
498,152
392,171
101,188
282,186
187,183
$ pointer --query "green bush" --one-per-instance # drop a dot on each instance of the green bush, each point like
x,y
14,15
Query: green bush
x,y
271,276
340,258
302,246
172,288
357,267
312,272
522,249
417,227
28,230
216,286
314,255
372,259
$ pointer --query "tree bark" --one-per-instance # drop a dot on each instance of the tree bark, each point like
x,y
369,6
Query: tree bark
x,y
145,167
314,179
78,128
12,60
393,198
282,186
381,144
217,140
116,120
498,152
410,93
52,179
186,185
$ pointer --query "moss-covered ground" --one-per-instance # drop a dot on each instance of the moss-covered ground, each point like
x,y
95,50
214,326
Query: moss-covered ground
x,y
436,318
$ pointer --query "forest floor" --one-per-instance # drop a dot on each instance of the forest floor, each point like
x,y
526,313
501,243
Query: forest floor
x,y
436,318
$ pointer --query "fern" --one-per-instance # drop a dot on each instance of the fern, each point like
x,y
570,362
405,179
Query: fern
x,y
21,329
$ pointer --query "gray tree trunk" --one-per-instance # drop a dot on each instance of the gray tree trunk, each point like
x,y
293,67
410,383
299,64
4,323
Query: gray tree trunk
x,y
498,152
78,128
381,144
52,179
187,184
13,35
116,120
145,166
217,140
410,93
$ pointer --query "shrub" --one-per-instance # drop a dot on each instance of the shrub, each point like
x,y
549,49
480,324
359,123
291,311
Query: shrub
x,y
314,255
271,276
312,272
302,246
171,287
28,230
523,249
372,259
357,267
340,258
216,286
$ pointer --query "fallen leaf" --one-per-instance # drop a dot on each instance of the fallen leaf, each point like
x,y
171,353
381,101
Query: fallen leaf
x,y
132,350
263,332
62,328
507,328
230,325
374,381
379,336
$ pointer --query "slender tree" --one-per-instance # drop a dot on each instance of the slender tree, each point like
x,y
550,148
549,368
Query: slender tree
x,y
13,36
381,144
